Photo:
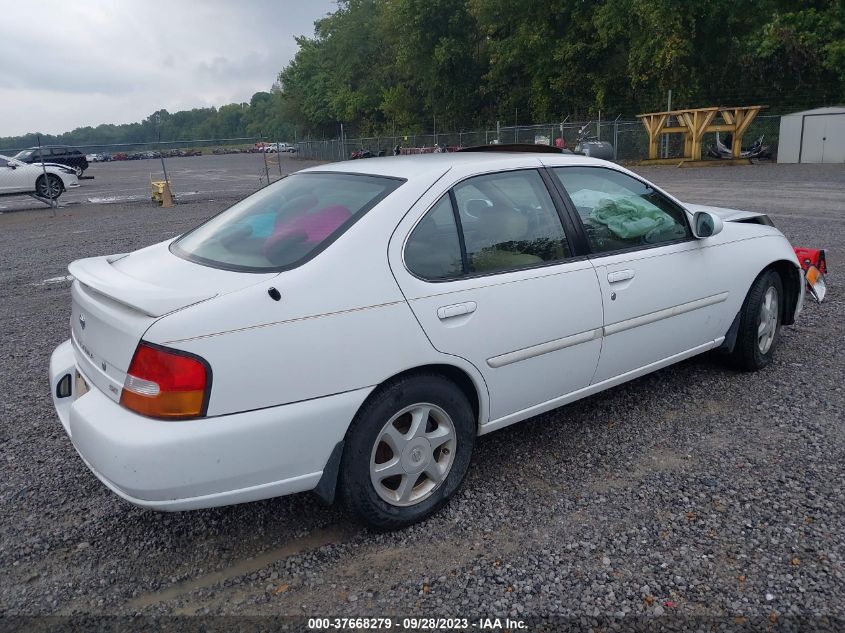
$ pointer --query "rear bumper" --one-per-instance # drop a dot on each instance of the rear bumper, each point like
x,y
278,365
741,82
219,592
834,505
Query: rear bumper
x,y
203,463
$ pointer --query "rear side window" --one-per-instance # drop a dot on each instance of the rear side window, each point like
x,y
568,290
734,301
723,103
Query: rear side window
x,y
284,224
621,212
433,250
509,222
500,222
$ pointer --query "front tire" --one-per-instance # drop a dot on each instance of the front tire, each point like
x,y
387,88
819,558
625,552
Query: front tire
x,y
50,186
759,325
407,451
78,171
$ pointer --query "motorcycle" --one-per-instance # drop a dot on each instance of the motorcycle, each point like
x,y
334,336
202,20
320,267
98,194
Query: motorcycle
x,y
365,153
591,145
723,150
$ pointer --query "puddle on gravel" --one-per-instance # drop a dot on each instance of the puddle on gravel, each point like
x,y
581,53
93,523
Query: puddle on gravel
x,y
317,538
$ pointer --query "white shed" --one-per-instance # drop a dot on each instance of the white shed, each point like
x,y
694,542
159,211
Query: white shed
x,y
813,136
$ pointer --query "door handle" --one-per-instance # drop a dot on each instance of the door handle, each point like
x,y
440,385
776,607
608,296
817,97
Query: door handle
x,y
458,309
620,275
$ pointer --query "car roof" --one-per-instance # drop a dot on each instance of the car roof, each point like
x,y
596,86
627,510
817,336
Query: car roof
x,y
415,166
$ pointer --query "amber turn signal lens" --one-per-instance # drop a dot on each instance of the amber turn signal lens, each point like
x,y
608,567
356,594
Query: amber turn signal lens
x,y
167,384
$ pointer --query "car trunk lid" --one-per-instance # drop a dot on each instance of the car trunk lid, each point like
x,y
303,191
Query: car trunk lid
x,y
115,299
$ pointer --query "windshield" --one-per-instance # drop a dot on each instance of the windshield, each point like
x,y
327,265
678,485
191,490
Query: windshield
x,y
284,224
24,154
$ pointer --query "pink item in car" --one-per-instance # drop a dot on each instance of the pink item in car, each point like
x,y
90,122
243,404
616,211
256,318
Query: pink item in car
x,y
315,227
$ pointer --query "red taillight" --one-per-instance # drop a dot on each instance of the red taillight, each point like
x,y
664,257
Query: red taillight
x,y
166,383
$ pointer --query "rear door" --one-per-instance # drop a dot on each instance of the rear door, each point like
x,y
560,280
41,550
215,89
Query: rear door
x,y
490,275
663,291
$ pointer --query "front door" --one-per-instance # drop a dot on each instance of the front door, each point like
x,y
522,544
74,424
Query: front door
x,y
660,287
490,276
11,179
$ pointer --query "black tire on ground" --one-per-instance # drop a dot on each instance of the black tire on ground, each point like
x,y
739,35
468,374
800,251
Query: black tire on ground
x,y
751,352
52,187
363,442
78,170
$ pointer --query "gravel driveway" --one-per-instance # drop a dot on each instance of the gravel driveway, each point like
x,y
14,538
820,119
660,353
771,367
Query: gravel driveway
x,y
696,491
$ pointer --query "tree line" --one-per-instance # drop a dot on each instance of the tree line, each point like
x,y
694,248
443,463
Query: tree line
x,y
376,64
262,117
406,66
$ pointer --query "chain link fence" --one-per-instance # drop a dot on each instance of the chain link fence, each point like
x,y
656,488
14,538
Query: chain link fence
x,y
627,137
207,168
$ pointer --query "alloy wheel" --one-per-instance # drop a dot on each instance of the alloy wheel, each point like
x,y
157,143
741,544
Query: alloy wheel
x,y
768,322
413,454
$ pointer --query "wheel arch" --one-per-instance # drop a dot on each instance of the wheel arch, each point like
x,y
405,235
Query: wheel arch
x,y
455,374
472,386
791,278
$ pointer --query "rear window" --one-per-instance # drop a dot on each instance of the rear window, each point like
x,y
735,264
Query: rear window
x,y
284,224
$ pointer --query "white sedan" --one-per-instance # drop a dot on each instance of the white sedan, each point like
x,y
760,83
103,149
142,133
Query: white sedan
x,y
353,327
22,178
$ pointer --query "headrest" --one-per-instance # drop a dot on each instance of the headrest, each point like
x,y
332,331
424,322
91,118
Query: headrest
x,y
499,224
476,206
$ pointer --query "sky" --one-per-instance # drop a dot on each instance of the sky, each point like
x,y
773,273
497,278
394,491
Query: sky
x,y
71,64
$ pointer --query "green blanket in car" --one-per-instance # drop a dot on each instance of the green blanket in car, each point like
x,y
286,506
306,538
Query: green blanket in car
x,y
628,217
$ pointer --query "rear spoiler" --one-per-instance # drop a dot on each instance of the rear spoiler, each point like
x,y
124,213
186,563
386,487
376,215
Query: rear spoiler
x,y
98,274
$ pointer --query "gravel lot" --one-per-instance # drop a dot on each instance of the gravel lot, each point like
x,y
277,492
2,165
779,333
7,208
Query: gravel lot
x,y
191,178
692,492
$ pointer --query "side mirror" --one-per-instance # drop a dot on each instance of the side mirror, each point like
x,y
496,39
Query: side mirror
x,y
706,224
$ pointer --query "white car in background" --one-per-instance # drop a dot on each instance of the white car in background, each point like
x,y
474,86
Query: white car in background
x,y
22,178
281,148
354,326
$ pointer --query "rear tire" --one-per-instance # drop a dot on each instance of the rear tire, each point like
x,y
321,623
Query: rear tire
x,y
407,451
759,324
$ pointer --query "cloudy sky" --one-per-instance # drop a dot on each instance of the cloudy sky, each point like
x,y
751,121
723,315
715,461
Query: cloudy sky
x,y
85,62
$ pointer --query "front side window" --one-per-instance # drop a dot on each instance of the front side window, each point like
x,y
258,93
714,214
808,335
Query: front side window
x,y
285,223
509,222
620,212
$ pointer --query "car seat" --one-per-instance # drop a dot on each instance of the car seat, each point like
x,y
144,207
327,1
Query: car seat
x,y
496,247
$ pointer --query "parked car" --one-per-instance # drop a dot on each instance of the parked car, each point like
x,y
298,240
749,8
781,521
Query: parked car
x,y
273,148
353,327
17,177
59,154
